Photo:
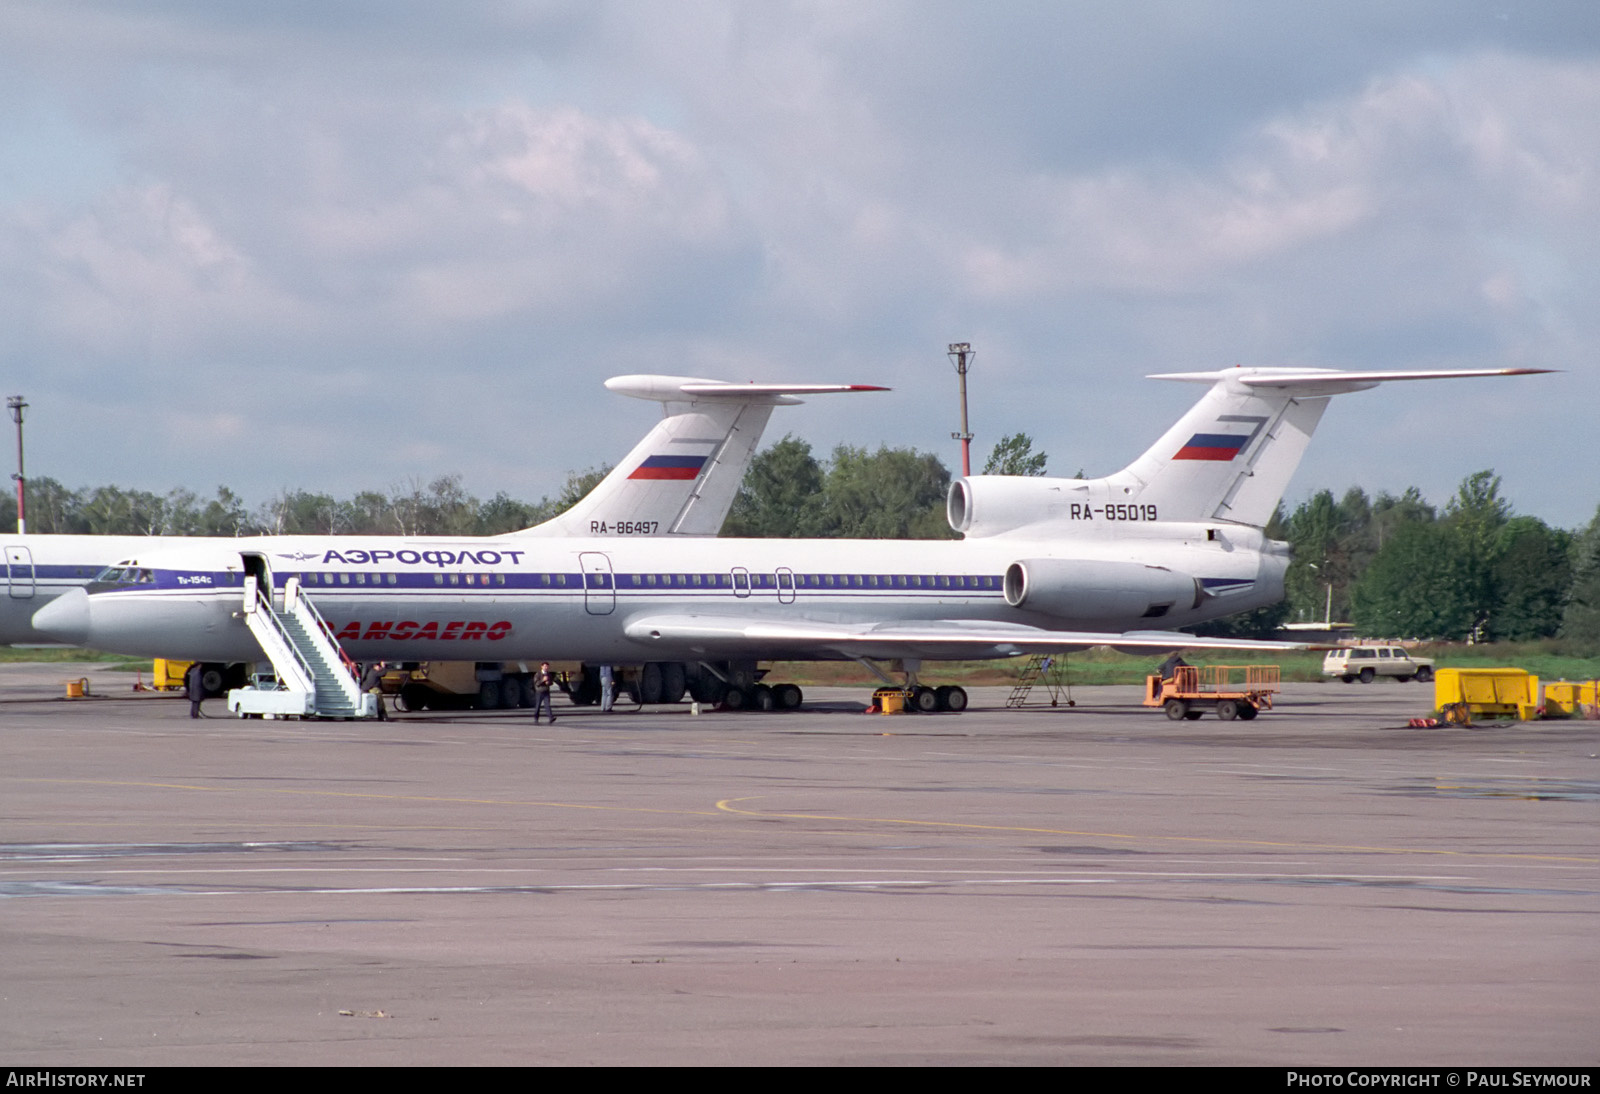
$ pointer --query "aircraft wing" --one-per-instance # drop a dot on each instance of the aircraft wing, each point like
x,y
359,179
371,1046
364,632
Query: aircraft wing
x,y
749,637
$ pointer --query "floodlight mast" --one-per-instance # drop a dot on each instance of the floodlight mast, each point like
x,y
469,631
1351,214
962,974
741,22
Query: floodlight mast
x,y
961,356
15,404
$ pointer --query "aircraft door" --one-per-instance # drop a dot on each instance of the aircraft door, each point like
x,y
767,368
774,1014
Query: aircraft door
x,y
599,583
256,566
785,585
19,565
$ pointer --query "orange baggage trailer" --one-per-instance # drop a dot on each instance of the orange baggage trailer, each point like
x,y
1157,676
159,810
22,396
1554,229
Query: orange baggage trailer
x,y
1233,691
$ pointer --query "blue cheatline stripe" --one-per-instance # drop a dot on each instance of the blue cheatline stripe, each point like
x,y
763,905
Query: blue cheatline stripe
x,y
318,582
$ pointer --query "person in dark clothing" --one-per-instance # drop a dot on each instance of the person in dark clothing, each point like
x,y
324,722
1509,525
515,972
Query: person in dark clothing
x,y
372,681
1169,668
194,688
542,682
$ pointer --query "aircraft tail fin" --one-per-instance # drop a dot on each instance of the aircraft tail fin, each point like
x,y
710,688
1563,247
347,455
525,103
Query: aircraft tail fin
x,y
1231,456
681,479
1229,459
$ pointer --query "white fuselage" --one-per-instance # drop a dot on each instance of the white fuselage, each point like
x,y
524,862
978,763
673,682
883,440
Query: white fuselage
x,y
594,599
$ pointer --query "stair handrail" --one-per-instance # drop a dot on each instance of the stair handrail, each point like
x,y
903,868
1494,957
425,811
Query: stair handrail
x,y
298,596
262,607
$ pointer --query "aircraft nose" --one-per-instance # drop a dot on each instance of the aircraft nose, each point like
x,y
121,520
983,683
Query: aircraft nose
x,y
66,618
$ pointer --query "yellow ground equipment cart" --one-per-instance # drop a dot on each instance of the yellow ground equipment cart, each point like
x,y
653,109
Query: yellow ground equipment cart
x,y
1572,699
1465,694
168,675
1233,691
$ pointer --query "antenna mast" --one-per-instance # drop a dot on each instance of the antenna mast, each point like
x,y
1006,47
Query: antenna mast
x,y
961,356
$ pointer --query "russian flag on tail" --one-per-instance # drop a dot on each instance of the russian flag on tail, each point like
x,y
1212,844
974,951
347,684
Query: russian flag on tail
x,y
676,468
1212,446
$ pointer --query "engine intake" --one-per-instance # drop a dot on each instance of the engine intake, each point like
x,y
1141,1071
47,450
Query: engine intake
x,y
986,505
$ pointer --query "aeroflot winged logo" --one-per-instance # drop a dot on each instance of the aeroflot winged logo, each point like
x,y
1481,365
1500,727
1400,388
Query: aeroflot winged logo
x,y
669,467
1221,447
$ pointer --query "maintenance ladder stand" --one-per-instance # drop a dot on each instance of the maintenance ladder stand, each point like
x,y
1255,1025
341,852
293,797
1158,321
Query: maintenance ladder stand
x,y
1046,668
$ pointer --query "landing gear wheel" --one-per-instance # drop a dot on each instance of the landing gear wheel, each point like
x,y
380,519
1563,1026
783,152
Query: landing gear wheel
x,y
1367,676
650,682
1227,710
787,696
952,698
761,697
412,697
707,689
488,694
735,699
527,697
673,682
510,693
924,700
1176,709
211,680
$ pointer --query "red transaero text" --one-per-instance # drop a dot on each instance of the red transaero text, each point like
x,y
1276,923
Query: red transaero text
x,y
464,629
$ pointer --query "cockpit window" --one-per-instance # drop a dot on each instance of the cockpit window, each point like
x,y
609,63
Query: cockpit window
x,y
124,574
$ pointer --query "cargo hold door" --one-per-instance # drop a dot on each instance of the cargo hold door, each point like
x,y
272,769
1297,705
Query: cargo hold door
x,y
599,583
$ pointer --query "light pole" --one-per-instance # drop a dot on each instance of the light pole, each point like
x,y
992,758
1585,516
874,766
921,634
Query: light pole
x,y
1327,619
17,406
961,356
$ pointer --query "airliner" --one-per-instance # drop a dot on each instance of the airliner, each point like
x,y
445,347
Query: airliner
x,y
1045,564
679,480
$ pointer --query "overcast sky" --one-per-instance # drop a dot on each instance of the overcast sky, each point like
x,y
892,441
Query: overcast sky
x,y
340,245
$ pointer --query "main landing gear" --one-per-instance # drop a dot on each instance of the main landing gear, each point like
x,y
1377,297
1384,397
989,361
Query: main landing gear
x,y
729,685
736,685
919,698
763,697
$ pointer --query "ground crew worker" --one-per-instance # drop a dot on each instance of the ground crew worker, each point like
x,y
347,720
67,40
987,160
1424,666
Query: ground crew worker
x,y
194,688
372,682
542,682
1169,668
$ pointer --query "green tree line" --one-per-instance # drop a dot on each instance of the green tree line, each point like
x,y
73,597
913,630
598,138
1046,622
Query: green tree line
x,y
440,508
893,493
1398,566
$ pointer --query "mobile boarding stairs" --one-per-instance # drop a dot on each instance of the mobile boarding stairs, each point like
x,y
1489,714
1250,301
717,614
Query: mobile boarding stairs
x,y
312,677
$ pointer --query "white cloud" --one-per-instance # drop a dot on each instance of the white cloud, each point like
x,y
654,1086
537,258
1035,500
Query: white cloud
x,y
428,231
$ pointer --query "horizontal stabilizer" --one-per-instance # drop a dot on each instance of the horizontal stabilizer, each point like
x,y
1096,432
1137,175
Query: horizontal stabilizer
x,y
682,389
1330,381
